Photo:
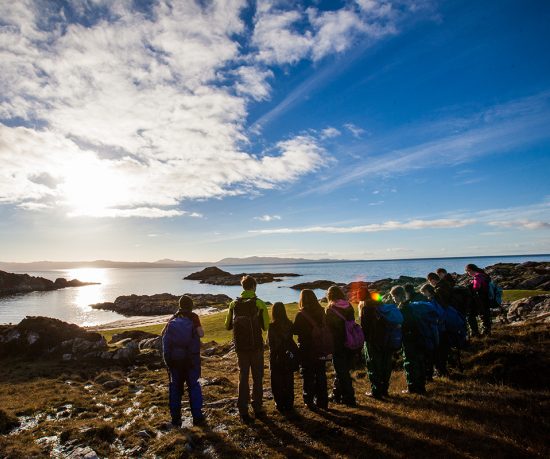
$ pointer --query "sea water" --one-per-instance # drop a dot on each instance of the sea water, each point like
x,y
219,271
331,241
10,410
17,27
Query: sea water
x,y
73,304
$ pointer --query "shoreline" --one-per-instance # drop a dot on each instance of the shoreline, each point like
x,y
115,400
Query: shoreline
x,y
144,321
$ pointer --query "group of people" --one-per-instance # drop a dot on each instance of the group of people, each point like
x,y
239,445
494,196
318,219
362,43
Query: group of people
x,y
401,320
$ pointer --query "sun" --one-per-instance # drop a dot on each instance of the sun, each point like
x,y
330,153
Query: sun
x,y
92,187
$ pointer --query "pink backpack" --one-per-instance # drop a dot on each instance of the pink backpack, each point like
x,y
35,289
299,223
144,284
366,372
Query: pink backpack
x,y
355,337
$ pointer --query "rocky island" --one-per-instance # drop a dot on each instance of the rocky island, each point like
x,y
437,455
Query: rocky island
x,y
216,276
162,303
11,283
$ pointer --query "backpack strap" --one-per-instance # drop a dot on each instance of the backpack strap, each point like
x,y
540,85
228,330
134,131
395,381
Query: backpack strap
x,y
338,314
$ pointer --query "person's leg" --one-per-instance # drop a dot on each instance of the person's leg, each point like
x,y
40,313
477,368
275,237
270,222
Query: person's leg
x,y
243,358
257,368
373,361
175,392
277,388
194,388
386,367
321,391
486,318
342,367
308,382
288,389
414,364
442,355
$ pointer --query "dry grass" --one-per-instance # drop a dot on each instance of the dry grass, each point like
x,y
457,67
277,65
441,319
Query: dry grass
x,y
464,416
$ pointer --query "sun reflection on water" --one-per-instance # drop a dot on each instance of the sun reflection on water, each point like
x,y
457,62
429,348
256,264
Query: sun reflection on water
x,y
90,294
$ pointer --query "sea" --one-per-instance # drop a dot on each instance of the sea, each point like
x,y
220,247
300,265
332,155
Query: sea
x,y
73,304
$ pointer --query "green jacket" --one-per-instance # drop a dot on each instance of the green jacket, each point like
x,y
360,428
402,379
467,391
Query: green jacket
x,y
259,304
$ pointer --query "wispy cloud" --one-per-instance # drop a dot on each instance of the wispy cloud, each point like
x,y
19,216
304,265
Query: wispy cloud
x,y
522,224
356,131
268,218
371,228
498,129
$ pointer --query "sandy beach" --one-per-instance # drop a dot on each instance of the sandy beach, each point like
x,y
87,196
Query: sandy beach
x,y
143,321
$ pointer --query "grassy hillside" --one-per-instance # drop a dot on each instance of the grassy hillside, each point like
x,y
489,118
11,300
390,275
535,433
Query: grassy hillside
x,y
119,411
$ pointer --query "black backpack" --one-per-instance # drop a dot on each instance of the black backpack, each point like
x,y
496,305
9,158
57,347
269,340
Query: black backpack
x,y
321,337
247,332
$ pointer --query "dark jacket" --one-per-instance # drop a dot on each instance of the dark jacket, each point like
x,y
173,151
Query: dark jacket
x,y
303,328
444,293
411,334
279,337
373,327
337,327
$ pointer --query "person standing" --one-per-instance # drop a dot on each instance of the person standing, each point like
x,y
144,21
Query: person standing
x,y
414,352
311,317
181,354
480,291
338,312
247,316
378,355
283,356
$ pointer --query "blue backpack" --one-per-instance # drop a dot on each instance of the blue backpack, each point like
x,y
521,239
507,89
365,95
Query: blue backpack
x,y
495,294
393,320
456,328
179,340
427,318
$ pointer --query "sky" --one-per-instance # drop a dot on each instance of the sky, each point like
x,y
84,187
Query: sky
x,y
139,130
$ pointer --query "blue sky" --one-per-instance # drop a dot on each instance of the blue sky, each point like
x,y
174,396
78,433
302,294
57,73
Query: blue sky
x,y
367,129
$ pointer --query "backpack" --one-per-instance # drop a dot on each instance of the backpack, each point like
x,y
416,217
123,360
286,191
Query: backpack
x,y
178,339
427,321
321,338
456,328
247,332
495,294
355,338
392,319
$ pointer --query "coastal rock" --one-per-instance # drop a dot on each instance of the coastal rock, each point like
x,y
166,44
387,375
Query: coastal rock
x,y
132,334
151,343
318,284
532,275
532,309
11,283
39,336
159,304
216,276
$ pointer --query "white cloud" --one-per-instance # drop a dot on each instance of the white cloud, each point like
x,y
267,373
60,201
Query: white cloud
x,y
356,131
268,218
372,228
329,133
135,113
522,224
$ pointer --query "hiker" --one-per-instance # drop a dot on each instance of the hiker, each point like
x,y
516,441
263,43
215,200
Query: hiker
x,y
444,275
283,358
480,291
414,352
443,290
310,320
339,311
181,353
247,316
380,344
440,356
412,294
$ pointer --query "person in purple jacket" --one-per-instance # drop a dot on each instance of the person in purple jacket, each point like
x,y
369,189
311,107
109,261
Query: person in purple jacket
x,y
181,353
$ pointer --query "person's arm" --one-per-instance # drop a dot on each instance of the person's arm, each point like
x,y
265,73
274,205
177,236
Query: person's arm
x,y
229,316
198,325
264,314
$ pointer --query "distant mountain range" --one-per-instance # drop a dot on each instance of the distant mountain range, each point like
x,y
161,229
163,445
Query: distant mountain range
x,y
164,263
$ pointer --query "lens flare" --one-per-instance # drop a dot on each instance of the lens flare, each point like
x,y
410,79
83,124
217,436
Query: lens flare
x,y
376,296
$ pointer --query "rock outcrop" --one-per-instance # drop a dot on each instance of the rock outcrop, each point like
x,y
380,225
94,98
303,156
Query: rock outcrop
x,y
531,275
40,336
216,276
532,309
11,284
314,285
159,304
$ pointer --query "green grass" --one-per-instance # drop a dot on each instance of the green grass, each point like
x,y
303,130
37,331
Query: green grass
x,y
214,324
513,295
